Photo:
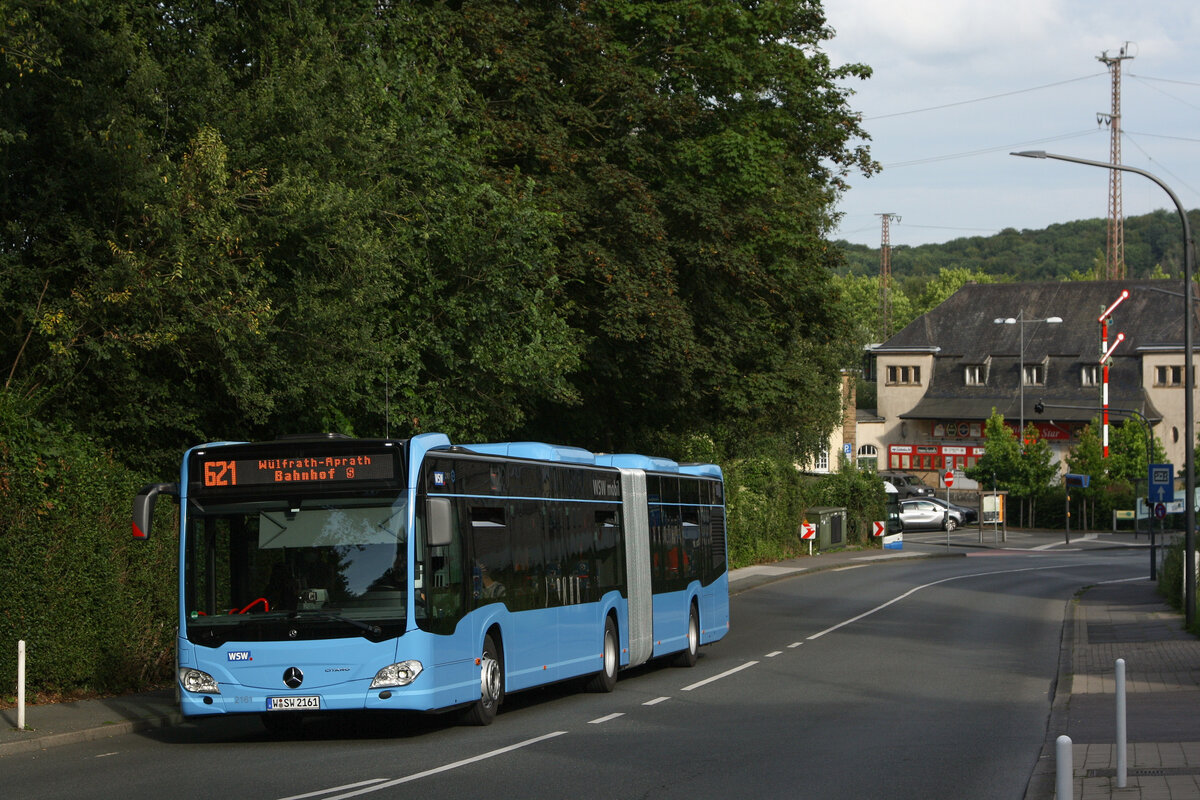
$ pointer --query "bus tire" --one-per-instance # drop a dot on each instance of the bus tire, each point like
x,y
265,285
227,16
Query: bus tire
x,y
491,685
688,657
606,679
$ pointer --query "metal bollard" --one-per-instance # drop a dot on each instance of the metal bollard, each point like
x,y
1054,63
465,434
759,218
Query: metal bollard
x,y
1064,778
1122,770
21,685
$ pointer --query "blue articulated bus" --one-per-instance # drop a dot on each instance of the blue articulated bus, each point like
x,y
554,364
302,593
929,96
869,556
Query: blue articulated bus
x,y
326,573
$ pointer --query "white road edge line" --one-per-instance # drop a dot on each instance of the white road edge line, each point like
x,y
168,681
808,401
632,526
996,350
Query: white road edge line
x,y
436,770
916,589
724,674
334,789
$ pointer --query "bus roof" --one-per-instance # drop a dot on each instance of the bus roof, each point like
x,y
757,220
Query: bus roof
x,y
541,451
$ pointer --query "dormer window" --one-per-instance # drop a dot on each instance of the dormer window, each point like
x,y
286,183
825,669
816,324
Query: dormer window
x,y
974,375
1089,375
1035,375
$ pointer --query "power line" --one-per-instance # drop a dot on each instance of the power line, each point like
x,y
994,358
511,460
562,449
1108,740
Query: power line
x,y
1164,80
985,150
1179,100
982,99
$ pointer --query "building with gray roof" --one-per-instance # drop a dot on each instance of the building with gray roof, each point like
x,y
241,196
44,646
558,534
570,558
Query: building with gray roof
x,y
939,378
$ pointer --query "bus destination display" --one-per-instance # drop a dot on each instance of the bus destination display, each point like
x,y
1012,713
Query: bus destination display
x,y
219,473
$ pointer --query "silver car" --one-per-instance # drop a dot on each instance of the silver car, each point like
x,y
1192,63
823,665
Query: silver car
x,y
923,514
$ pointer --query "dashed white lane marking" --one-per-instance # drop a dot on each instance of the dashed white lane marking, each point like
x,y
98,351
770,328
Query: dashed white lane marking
x,y
656,701
724,674
774,653
607,718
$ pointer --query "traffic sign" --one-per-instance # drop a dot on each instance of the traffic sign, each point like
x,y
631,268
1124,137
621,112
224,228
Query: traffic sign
x,y
1160,510
948,478
1162,483
878,528
808,530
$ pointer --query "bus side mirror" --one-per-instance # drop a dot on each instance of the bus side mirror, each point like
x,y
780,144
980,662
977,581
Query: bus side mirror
x,y
440,528
143,507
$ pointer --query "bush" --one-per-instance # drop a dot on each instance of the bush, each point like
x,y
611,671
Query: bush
x,y
96,610
1170,580
762,499
767,499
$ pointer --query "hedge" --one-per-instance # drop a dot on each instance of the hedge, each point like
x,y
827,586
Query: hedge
x,y
95,609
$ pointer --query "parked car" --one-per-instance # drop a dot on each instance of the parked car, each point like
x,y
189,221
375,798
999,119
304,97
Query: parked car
x,y
968,514
924,514
906,485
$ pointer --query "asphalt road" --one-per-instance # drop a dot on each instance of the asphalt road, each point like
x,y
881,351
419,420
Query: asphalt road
x,y
926,678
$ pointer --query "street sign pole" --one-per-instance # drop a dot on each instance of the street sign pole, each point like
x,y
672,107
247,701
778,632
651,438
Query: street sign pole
x,y
1160,488
948,479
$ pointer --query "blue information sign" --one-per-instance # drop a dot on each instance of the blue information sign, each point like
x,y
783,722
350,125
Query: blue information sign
x,y
1162,483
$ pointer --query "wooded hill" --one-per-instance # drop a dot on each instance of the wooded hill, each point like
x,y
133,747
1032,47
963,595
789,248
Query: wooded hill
x,y
1153,248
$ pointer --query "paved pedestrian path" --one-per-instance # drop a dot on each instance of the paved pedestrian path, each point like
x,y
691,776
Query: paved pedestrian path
x,y
1129,621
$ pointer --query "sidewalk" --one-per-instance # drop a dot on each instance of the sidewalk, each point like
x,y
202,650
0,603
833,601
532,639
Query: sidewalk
x,y
1109,621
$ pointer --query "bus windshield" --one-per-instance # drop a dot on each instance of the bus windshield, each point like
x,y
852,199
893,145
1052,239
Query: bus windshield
x,y
315,568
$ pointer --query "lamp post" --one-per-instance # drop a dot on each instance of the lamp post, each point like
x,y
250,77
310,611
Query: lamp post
x,y
1189,506
1020,321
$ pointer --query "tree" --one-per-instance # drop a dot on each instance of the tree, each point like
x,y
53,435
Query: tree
x,y
695,151
1087,458
1127,452
230,222
1037,469
1025,472
1000,462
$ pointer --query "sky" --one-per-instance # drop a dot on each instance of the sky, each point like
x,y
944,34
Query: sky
x,y
959,84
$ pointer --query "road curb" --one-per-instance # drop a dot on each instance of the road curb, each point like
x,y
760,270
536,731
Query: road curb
x,y
1042,780
88,734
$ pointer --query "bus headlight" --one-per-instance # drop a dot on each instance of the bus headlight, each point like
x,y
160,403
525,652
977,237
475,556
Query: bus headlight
x,y
401,674
199,682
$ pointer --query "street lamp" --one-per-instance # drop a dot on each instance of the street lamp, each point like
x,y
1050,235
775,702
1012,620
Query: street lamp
x,y
1189,506
1020,320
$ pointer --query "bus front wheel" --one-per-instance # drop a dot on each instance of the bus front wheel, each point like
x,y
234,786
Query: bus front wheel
x,y
491,685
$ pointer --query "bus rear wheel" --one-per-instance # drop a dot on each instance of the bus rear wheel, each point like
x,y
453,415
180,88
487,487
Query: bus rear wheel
x,y
606,679
491,685
689,655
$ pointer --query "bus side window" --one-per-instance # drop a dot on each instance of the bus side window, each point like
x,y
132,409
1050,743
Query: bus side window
x,y
491,570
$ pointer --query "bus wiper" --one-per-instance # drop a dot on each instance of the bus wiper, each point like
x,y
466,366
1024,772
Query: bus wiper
x,y
366,626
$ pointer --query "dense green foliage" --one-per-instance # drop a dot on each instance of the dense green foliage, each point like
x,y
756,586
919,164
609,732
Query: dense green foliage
x,y
95,609
768,500
596,223
1071,250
